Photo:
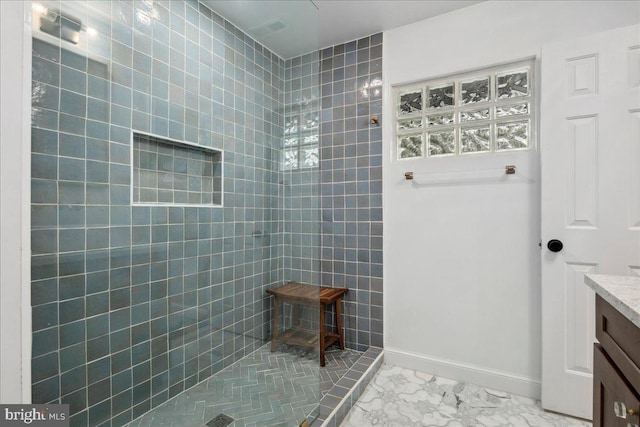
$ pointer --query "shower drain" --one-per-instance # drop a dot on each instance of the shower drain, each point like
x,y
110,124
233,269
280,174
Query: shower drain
x,y
220,420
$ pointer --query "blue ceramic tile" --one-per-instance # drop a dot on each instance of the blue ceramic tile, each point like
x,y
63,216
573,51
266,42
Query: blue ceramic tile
x,y
141,101
120,236
120,174
44,166
98,69
121,116
121,75
96,261
71,192
120,403
97,194
76,400
97,348
97,304
120,319
97,326
120,340
71,169
97,274
73,80
73,103
119,195
98,413
44,367
73,380
98,109
71,310
99,391
120,215
121,361
44,141
45,341
71,263
119,298
97,149
45,391
45,119
72,357
98,88
119,278
72,333
142,392
142,373
44,242
97,238
45,71
44,267
121,381
45,96
44,50
74,60
122,54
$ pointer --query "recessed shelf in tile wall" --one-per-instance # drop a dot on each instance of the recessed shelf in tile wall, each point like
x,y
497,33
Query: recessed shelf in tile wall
x,y
168,172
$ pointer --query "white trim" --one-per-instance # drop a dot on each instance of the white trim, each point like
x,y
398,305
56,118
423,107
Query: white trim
x,y
455,110
176,142
15,196
490,378
27,329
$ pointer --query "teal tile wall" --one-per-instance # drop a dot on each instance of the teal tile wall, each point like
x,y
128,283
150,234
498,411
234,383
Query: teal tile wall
x,y
132,305
337,237
351,183
302,182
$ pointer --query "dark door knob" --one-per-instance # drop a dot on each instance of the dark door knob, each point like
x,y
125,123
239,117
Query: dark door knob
x,y
555,245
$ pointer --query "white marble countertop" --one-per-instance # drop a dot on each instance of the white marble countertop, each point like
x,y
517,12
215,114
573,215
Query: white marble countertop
x,y
623,293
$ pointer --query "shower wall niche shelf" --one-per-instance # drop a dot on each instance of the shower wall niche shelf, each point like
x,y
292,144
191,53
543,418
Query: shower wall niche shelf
x,y
176,173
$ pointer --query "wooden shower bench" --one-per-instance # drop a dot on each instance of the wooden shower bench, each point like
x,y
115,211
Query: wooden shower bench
x,y
313,296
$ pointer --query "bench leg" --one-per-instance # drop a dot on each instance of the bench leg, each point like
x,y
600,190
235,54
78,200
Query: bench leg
x,y
339,322
321,334
295,321
274,330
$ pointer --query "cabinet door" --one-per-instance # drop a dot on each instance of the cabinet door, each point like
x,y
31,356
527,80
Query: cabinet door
x,y
611,390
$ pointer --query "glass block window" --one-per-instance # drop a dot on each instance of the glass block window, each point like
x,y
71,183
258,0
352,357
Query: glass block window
x,y
167,172
485,111
301,141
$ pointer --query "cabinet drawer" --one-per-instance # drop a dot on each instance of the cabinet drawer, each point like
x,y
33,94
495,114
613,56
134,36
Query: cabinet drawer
x,y
610,387
620,339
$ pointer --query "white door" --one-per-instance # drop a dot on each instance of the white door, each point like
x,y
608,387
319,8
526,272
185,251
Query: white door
x,y
590,169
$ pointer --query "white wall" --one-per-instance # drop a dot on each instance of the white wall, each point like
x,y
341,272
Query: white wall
x,y
15,311
462,262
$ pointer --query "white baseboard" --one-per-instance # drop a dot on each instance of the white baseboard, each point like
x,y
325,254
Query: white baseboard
x,y
490,378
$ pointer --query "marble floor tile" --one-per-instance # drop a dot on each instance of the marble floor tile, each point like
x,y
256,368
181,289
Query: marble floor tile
x,y
398,397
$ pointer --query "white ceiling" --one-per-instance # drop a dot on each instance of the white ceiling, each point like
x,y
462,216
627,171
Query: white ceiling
x,y
303,28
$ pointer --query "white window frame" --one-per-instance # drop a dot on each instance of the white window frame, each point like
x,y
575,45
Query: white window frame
x,y
457,126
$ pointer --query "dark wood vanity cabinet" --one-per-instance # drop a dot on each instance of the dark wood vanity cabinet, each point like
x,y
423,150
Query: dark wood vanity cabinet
x,y
616,369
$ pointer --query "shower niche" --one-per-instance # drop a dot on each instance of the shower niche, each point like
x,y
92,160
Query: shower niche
x,y
169,172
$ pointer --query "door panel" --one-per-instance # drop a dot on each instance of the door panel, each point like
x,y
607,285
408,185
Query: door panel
x,y
590,155
580,311
582,172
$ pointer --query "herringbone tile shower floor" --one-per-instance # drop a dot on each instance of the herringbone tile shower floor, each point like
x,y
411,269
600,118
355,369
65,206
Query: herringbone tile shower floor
x,y
262,389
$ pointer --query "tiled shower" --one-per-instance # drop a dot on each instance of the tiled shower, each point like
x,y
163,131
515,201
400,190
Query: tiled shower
x,y
137,299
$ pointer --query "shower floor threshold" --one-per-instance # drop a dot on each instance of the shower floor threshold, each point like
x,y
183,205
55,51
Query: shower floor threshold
x,y
261,389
